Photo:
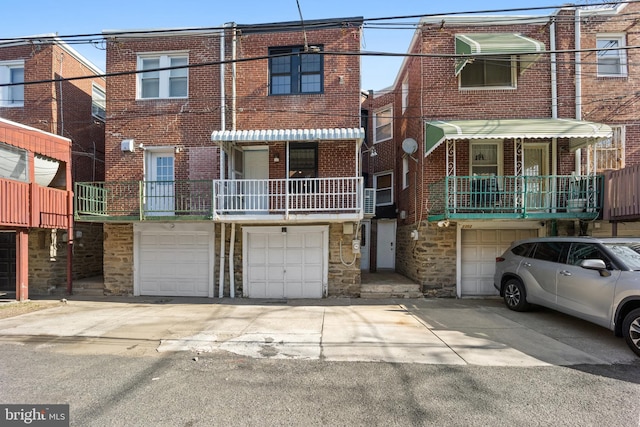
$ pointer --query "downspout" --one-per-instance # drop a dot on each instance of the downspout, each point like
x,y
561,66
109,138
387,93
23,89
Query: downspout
x,y
578,45
223,124
232,237
554,100
70,193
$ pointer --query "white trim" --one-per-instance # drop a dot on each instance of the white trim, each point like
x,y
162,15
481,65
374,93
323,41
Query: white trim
x,y
375,186
405,171
164,61
621,38
405,94
379,112
499,154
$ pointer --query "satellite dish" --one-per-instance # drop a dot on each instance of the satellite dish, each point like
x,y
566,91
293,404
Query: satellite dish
x,y
409,146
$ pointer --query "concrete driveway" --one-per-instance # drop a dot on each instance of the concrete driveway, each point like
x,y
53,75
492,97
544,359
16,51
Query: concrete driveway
x,y
431,331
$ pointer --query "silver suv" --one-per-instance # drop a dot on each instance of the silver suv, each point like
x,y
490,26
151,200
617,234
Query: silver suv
x,y
594,279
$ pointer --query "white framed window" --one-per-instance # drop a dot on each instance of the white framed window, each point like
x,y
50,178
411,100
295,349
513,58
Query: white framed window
x,y
164,83
405,171
383,125
384,188
12,72
613,61
496,72
98,102
485,158
405,95
609,154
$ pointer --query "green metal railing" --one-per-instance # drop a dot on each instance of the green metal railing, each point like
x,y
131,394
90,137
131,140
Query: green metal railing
x,y
551,196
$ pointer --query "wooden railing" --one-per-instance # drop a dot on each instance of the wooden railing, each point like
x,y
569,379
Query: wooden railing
x,y
30,205
622,194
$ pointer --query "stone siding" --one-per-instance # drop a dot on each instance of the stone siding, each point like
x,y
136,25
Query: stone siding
x,y
344,279
430,260
118,259
47,261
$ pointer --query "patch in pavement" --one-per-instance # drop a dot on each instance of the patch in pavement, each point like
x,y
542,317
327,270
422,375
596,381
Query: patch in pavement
x,y
255,345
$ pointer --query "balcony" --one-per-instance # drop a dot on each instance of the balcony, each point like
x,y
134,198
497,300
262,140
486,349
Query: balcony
x,y
622,194
516,197
297,200
31,205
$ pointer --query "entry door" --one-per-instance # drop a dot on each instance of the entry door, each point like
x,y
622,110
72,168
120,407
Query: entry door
x,y
256,172
386,245
160,192
8,262
536,168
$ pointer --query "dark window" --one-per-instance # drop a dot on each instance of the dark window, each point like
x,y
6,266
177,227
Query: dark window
x,y
303,164
523,250
551,251
291,71
488,72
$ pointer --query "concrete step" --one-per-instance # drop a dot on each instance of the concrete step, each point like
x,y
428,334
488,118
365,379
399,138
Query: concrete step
x,y
390,291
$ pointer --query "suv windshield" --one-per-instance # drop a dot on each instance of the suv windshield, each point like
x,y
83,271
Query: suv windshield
x,y
629,253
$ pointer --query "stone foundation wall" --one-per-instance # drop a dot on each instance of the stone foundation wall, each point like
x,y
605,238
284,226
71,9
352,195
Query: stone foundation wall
x,y
118,259
344,265
47,261
430,260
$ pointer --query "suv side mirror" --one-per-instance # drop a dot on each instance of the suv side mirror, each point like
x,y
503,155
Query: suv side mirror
x,y
595,264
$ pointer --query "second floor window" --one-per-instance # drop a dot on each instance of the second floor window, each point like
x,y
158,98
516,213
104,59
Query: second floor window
x,y
493,72
98,102
611,62
12,72
383,125
384,189
294,72
484,159
165,83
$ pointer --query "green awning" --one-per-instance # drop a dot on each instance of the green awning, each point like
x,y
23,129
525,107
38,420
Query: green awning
x,y
581,133
496,44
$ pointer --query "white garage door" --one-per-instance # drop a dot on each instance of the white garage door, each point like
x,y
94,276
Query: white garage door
x,y
285,262
174,259
479,251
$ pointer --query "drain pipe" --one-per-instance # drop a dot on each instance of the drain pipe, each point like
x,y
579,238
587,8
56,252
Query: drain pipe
x,y
232,237
223,125
578,45
222,255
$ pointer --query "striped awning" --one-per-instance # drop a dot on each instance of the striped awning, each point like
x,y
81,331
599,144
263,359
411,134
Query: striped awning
x,y
581,133
496,44
276,135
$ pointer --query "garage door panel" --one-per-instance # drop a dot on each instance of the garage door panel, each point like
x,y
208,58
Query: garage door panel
x,y
174,263
479,250
294,261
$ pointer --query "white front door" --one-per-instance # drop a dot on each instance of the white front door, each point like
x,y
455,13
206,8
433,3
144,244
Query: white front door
x,y
160,186
256,172
386,245
536,169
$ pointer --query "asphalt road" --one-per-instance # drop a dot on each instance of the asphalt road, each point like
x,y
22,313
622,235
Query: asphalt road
x,y
219,388
148,362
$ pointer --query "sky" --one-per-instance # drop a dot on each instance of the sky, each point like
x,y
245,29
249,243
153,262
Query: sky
x,y
72,17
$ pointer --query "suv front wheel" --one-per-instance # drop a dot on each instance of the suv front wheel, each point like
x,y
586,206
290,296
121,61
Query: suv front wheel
x,y
514,296
631,330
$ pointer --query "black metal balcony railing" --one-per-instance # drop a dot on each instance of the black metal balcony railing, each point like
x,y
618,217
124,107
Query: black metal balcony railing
x,y
219,199
552,196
